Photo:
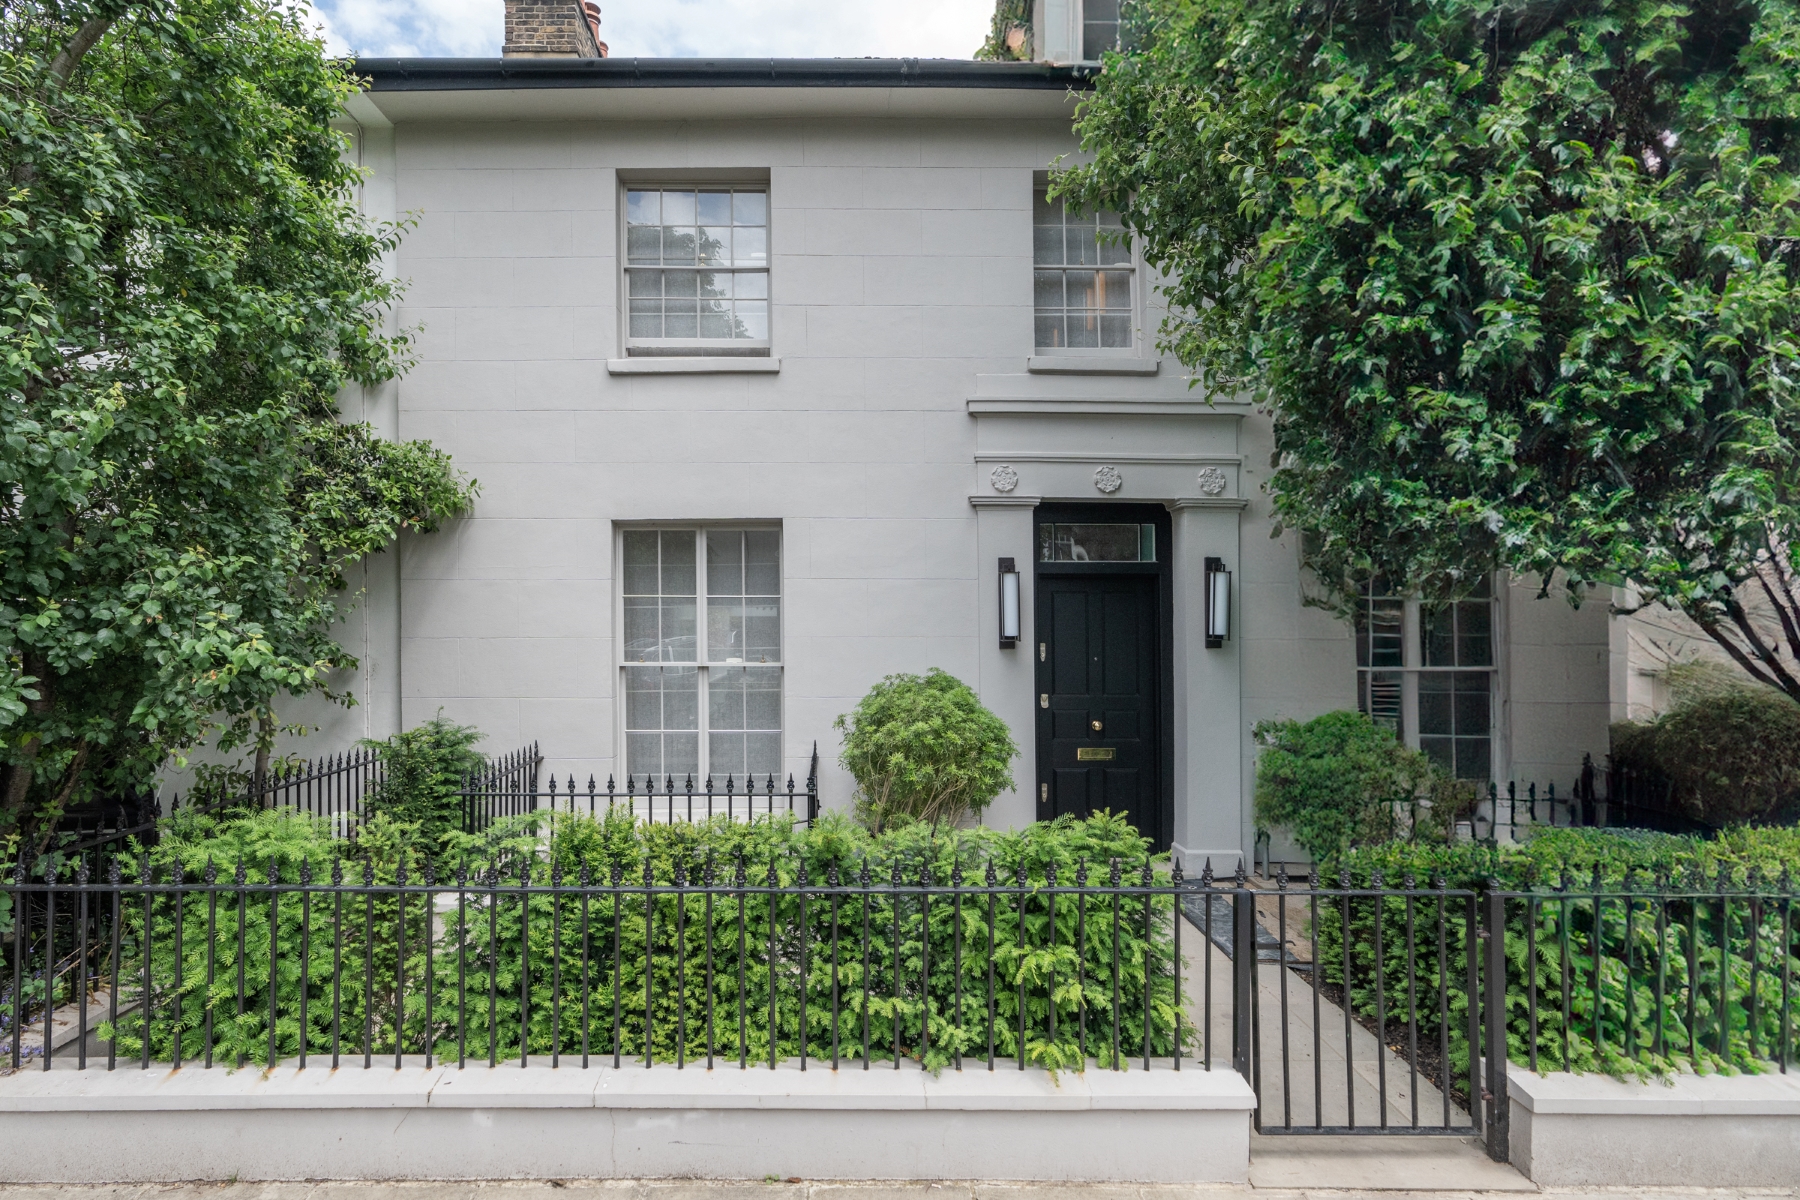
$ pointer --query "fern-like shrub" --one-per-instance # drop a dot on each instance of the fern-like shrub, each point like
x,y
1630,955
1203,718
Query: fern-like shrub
x,y
557,940
1660,968
924,748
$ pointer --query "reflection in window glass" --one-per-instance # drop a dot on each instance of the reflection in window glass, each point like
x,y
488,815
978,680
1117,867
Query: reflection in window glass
x,y
1096,543
697,264
1426,671
1082,278
1099,28
710,635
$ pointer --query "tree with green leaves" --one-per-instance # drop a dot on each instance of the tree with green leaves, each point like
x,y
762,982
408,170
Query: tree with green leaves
x,y
1517,280
186,285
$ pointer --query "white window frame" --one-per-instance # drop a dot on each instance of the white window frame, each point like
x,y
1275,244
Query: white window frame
x,y
700,529
1135,266
1064,24
1412,667
696,347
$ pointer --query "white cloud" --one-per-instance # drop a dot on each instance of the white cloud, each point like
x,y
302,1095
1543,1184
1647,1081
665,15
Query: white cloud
x,y
674,28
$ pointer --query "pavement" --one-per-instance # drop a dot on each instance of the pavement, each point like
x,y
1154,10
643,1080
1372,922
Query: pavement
x,y
579,1189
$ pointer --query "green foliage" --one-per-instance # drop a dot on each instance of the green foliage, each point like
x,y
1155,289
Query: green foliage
x,y
1659,963
1009,34
188,286
423,772
923,748
1519,284
1336,781
483,987
1730,746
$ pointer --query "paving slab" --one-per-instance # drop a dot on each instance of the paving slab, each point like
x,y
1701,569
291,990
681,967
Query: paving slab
x,y
1380,1163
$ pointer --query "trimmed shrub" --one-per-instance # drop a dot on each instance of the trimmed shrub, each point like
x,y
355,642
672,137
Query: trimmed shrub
x,y
776,975
1334,781
1730,747
1668,978
423,772
923,748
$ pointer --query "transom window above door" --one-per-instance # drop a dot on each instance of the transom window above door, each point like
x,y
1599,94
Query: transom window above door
x,y
1083,278
702,654
697,271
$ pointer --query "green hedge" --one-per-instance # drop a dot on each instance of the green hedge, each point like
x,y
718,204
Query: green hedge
x,y
1678,945
478,954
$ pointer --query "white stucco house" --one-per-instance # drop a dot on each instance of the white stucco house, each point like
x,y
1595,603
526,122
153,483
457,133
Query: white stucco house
x,y
773,371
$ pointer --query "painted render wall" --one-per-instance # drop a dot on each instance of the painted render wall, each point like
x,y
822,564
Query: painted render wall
x,y
901,278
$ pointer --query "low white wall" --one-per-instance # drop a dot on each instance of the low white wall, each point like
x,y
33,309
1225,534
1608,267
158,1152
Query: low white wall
x,y
512,1123
1706,1131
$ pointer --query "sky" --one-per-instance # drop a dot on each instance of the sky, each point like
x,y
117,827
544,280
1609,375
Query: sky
x,y
674,28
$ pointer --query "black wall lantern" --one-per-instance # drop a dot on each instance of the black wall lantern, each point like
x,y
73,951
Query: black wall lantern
x,y
1218,603
1009,604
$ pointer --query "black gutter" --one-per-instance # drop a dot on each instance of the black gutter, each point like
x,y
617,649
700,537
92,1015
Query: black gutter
x,y
482,74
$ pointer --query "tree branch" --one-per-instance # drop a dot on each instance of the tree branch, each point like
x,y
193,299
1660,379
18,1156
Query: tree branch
x,y
64,64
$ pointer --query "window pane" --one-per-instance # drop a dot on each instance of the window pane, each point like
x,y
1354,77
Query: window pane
x,y
752,285
715,208
716,324
678,245
1047,289
678,562
642,639
1115,333
681,283
1474,759
1436,714
646,319
1114,290
683,324
1047,245
762,630
1094,543
661,711
744,717
762,562
724,629
725,562
1378,633
715,244
1049,332
643,208
640,563
642,284
1437,628
750,208
1473,703
1082,331
678,208
753,319
750,247
643,245
1045,211
1440,750
1474,634
678,633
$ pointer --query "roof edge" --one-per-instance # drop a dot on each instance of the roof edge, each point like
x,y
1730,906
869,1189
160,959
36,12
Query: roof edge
x,y
479,74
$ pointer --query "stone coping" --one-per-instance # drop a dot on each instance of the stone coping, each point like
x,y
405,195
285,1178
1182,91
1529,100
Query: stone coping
x,y
415,1086
1560,1093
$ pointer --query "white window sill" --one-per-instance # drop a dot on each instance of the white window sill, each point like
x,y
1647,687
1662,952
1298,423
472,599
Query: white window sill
x,y
1090,364
721,365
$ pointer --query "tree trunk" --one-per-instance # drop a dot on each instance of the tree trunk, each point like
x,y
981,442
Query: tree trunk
x,y
265,743
18,781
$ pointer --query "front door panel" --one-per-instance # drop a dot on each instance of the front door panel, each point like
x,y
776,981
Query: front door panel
x,y
1097,684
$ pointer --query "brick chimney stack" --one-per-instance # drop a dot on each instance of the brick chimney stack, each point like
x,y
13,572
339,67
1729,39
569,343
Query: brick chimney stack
x,y
553,29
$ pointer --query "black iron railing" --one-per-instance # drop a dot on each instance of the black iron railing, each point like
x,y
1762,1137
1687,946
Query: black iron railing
x,y
659,800
1357,1008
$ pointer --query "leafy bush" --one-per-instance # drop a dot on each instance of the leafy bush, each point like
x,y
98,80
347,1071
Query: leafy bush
x,y
423,773
774,975
1730,746
1665,975
1334,781
923,748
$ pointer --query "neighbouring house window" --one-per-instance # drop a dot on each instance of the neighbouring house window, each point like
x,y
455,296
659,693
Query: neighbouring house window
x,y
702,654
1082,278
1427,671
697,271
1099,28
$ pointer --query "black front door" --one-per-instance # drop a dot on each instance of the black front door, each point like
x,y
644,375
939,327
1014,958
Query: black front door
x,y
1099,724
